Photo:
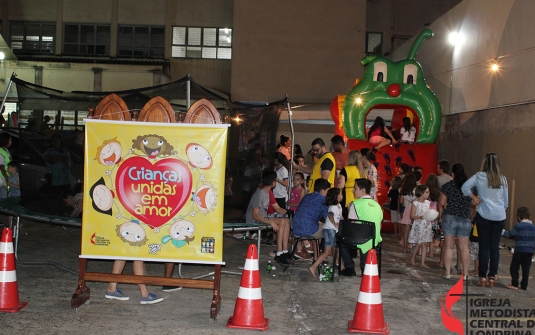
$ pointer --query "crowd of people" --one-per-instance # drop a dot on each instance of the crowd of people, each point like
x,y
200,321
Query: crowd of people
x,y
445,214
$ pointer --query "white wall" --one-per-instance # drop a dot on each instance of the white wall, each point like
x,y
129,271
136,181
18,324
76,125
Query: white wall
x,y
491,29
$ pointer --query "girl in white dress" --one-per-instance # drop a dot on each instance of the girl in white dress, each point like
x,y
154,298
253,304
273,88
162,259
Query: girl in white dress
x,y
421,233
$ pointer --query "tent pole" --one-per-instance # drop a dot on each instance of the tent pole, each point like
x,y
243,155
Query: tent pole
x,y
188,91
7,92
292,136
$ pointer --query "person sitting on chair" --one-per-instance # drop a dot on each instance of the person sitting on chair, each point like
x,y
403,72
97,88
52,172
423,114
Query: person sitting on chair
x,y
257,212
310,212
366,209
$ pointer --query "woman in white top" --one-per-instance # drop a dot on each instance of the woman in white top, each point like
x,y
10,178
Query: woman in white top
x,y
407,132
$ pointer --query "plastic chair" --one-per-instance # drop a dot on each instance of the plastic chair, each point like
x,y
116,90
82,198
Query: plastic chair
x,y
352,233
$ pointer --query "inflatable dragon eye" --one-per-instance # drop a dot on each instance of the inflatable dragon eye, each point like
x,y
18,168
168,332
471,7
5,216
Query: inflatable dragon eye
x,y
389,85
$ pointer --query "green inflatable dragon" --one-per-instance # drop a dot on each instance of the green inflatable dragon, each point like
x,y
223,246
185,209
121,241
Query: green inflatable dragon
x,y
389,85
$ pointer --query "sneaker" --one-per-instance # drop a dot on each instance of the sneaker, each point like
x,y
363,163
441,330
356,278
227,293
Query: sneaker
x,y
288,256
171,288
349,272
303,255
308,249
282,261
116,295
150,299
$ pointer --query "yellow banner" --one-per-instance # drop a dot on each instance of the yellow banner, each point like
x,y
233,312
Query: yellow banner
x,y
154,191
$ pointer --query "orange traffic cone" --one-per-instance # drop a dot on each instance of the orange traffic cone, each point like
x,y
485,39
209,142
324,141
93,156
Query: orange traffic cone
x,y
249,309
9,291
369,316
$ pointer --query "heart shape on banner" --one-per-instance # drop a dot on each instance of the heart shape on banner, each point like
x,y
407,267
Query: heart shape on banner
x,y
153,193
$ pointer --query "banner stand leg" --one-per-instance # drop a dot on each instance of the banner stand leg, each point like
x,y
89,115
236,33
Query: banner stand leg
x,y
216,301
82,293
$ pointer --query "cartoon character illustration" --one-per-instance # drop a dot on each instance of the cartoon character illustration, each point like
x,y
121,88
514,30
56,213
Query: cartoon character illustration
x,y
198,156
180,233
132,232
153,146
101,197
399,86
205,198
109,153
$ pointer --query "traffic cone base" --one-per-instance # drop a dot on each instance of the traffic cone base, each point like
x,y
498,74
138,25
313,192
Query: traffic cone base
x,y
249,309
14,309
351,329
369,316
230,324
9,291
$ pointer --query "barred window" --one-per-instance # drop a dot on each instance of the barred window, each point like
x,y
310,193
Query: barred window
x,y
141,42
374,43
86,39
33,37
192,42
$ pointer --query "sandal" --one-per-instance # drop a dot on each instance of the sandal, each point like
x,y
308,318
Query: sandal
x,y
492,279
482,282
511,287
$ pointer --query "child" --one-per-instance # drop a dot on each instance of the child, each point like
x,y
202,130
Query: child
x,y
298,191
299,159
257,212
474,250
330,228
280,191
408,184
421,233
393,194
368,157
524,248
13,180
112,292
378,133
434,194
310,212
407,132
74,199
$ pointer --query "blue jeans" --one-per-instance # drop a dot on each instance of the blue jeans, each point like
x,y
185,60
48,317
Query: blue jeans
x,y
489,233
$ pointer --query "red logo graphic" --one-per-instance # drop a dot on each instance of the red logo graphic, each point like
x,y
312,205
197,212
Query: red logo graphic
x,y
450,321
153,193
92,239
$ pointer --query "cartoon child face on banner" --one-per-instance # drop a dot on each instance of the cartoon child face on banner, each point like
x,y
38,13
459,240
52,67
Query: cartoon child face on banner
x,y
151,185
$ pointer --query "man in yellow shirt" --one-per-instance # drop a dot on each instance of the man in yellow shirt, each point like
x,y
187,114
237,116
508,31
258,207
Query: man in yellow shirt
x,y
323,168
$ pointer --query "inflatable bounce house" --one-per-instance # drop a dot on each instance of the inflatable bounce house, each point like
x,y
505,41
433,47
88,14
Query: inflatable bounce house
x,y
399,87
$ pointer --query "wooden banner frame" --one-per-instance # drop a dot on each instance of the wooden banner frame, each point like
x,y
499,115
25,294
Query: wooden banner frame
x,y
112,107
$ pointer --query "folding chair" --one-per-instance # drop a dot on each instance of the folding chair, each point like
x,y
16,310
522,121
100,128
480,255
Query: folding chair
x,y
352,233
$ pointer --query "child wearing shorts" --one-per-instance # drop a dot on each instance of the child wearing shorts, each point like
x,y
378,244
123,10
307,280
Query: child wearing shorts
x,y
330,228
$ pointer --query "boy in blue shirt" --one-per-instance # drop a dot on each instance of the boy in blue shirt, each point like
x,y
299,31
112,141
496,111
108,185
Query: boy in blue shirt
x,y
524,248
310,212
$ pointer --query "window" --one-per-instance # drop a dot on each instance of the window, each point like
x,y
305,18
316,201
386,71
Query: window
x,y
141,42
190,42
374,43
33,37
86,39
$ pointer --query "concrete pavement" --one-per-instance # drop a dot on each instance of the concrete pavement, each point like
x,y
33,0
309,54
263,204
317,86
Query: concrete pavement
x,y
294,301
